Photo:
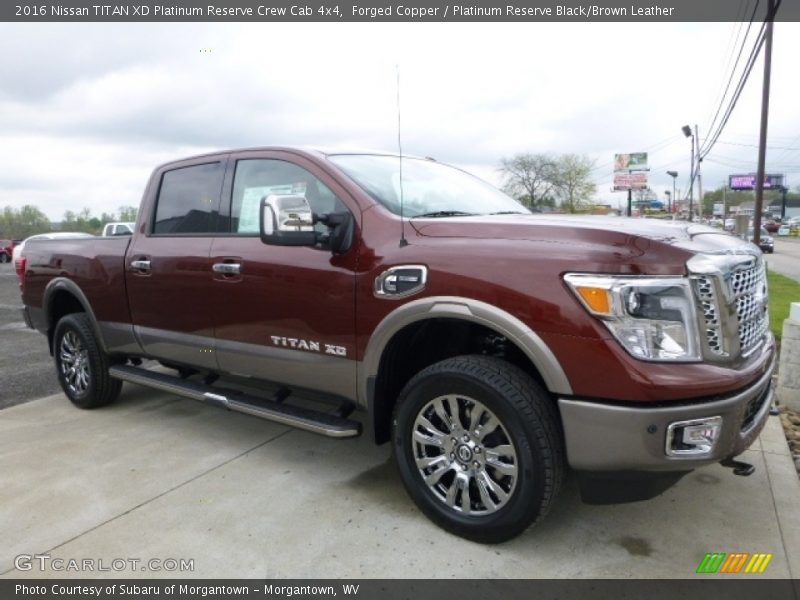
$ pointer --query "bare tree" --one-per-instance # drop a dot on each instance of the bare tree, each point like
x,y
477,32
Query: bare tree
x,y
573,183
529,177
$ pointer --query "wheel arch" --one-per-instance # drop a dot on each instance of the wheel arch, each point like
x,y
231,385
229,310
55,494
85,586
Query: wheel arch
x,y
62,297
540,360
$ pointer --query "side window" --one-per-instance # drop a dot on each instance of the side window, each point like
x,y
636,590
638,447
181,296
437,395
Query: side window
x,y
257,178
187,199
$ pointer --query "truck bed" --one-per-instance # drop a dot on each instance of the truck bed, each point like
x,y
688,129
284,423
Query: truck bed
x,y
96,265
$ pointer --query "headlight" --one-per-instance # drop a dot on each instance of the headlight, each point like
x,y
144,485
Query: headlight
x,y
652,317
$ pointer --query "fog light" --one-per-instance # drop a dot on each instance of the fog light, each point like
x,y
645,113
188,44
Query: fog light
x,y
693,439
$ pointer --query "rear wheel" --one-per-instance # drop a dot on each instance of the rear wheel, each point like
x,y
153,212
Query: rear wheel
x,y
81,364
4,258
478,446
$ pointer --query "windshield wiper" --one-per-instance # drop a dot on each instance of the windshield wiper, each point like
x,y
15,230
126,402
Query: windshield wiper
x,y
508,212
444,213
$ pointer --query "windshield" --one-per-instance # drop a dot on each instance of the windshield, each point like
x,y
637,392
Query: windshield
x,y
429,188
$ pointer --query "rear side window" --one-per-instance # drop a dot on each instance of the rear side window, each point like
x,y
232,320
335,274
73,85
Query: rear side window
x,y
188,200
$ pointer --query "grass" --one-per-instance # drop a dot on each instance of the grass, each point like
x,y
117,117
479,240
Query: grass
x,y
782,292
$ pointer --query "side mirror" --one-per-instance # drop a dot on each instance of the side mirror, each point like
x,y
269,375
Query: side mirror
x,y
342,226
287,221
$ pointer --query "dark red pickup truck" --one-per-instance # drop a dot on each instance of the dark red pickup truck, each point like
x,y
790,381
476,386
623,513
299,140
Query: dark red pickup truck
x,y
493,347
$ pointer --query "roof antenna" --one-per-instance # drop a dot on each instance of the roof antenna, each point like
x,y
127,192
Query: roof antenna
x,y
403,241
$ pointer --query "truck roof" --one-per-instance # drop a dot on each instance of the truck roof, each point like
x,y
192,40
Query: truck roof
x,y
316,152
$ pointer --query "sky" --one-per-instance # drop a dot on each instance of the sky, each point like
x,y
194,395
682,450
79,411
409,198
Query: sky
x,y
88,110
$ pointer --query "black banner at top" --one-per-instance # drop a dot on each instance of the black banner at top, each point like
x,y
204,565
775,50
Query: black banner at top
x,y
339,11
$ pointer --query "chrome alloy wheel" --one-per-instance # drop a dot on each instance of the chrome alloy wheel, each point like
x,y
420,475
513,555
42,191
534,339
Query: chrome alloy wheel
x,y
74,359
465,455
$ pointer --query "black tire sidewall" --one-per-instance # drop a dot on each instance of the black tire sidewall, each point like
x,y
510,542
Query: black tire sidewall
x,y
78,324
521,509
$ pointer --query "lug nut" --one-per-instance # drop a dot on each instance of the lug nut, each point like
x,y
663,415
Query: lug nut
x,y
476,464
477,449
452,455
463,467
465,438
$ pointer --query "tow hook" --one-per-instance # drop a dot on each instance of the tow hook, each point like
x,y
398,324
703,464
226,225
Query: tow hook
x,y
740,468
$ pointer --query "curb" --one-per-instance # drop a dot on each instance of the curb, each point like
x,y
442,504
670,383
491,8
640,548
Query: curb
x,y
785,486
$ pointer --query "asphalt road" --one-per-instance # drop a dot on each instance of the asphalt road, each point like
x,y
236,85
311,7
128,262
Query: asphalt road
x,y
26,369
786,259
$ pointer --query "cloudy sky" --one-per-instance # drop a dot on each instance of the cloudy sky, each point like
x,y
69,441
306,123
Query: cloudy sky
x,y
87,110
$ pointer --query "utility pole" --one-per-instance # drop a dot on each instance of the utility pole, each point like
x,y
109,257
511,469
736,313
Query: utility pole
x,y
687,131
762,142
674,197
724,204
784,189
699,176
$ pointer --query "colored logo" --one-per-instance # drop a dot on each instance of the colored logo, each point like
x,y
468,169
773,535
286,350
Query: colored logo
x,y
736,562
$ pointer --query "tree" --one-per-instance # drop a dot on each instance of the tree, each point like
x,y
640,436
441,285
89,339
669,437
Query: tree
x,y
540,180
529,177
128,214
573,184
83,221
23,222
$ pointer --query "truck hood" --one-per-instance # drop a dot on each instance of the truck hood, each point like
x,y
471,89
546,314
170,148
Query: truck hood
x,y
690,237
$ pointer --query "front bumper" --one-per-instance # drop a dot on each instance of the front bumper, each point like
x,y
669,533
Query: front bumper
x,y
620,438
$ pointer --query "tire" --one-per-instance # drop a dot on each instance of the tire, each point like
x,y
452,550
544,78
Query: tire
x,y
495,480
4,258
81,365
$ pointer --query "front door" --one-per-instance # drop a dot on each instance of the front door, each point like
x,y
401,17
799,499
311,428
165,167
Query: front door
x,y
282,313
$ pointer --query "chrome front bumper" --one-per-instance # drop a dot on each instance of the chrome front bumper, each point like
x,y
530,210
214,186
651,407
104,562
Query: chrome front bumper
x,y
614,437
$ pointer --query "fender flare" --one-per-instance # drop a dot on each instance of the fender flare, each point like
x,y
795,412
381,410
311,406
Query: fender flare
x,y
62,284
467,309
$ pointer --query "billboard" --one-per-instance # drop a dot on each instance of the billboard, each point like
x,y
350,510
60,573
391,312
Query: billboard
x,y
630,181
634,161
748,182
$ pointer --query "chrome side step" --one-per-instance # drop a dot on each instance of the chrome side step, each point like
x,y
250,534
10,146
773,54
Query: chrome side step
x,y
276,410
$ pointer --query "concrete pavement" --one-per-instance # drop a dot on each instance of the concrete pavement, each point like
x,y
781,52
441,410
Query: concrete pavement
x,y
158,477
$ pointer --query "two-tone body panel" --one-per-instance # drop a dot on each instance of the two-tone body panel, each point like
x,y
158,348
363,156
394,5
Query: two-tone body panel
x,y
215,297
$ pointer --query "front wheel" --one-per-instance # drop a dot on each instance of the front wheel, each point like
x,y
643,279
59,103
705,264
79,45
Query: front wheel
x,y
478,447
81,364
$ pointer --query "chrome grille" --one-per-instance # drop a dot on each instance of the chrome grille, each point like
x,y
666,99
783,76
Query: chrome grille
x,y
731,294
704,288
749,291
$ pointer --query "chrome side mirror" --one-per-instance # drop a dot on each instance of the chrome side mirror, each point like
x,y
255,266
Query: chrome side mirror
x,y
287,221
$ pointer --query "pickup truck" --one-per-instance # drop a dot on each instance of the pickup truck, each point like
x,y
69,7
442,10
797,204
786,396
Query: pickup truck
x,y
494,348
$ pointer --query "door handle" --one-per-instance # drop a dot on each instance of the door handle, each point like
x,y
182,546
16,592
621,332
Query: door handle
x,y
140,265
227,268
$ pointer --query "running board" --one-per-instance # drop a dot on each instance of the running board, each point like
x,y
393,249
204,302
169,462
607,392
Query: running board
x,y
330,425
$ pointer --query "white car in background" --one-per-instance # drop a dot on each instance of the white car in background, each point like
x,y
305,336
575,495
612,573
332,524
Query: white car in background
x,y
118,229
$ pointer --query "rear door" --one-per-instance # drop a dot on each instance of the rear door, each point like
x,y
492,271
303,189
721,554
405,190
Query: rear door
x,y
282,313
169,271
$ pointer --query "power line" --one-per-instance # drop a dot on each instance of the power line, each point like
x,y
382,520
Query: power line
x,y
742,81
712,139
736,64
792,147
756,145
